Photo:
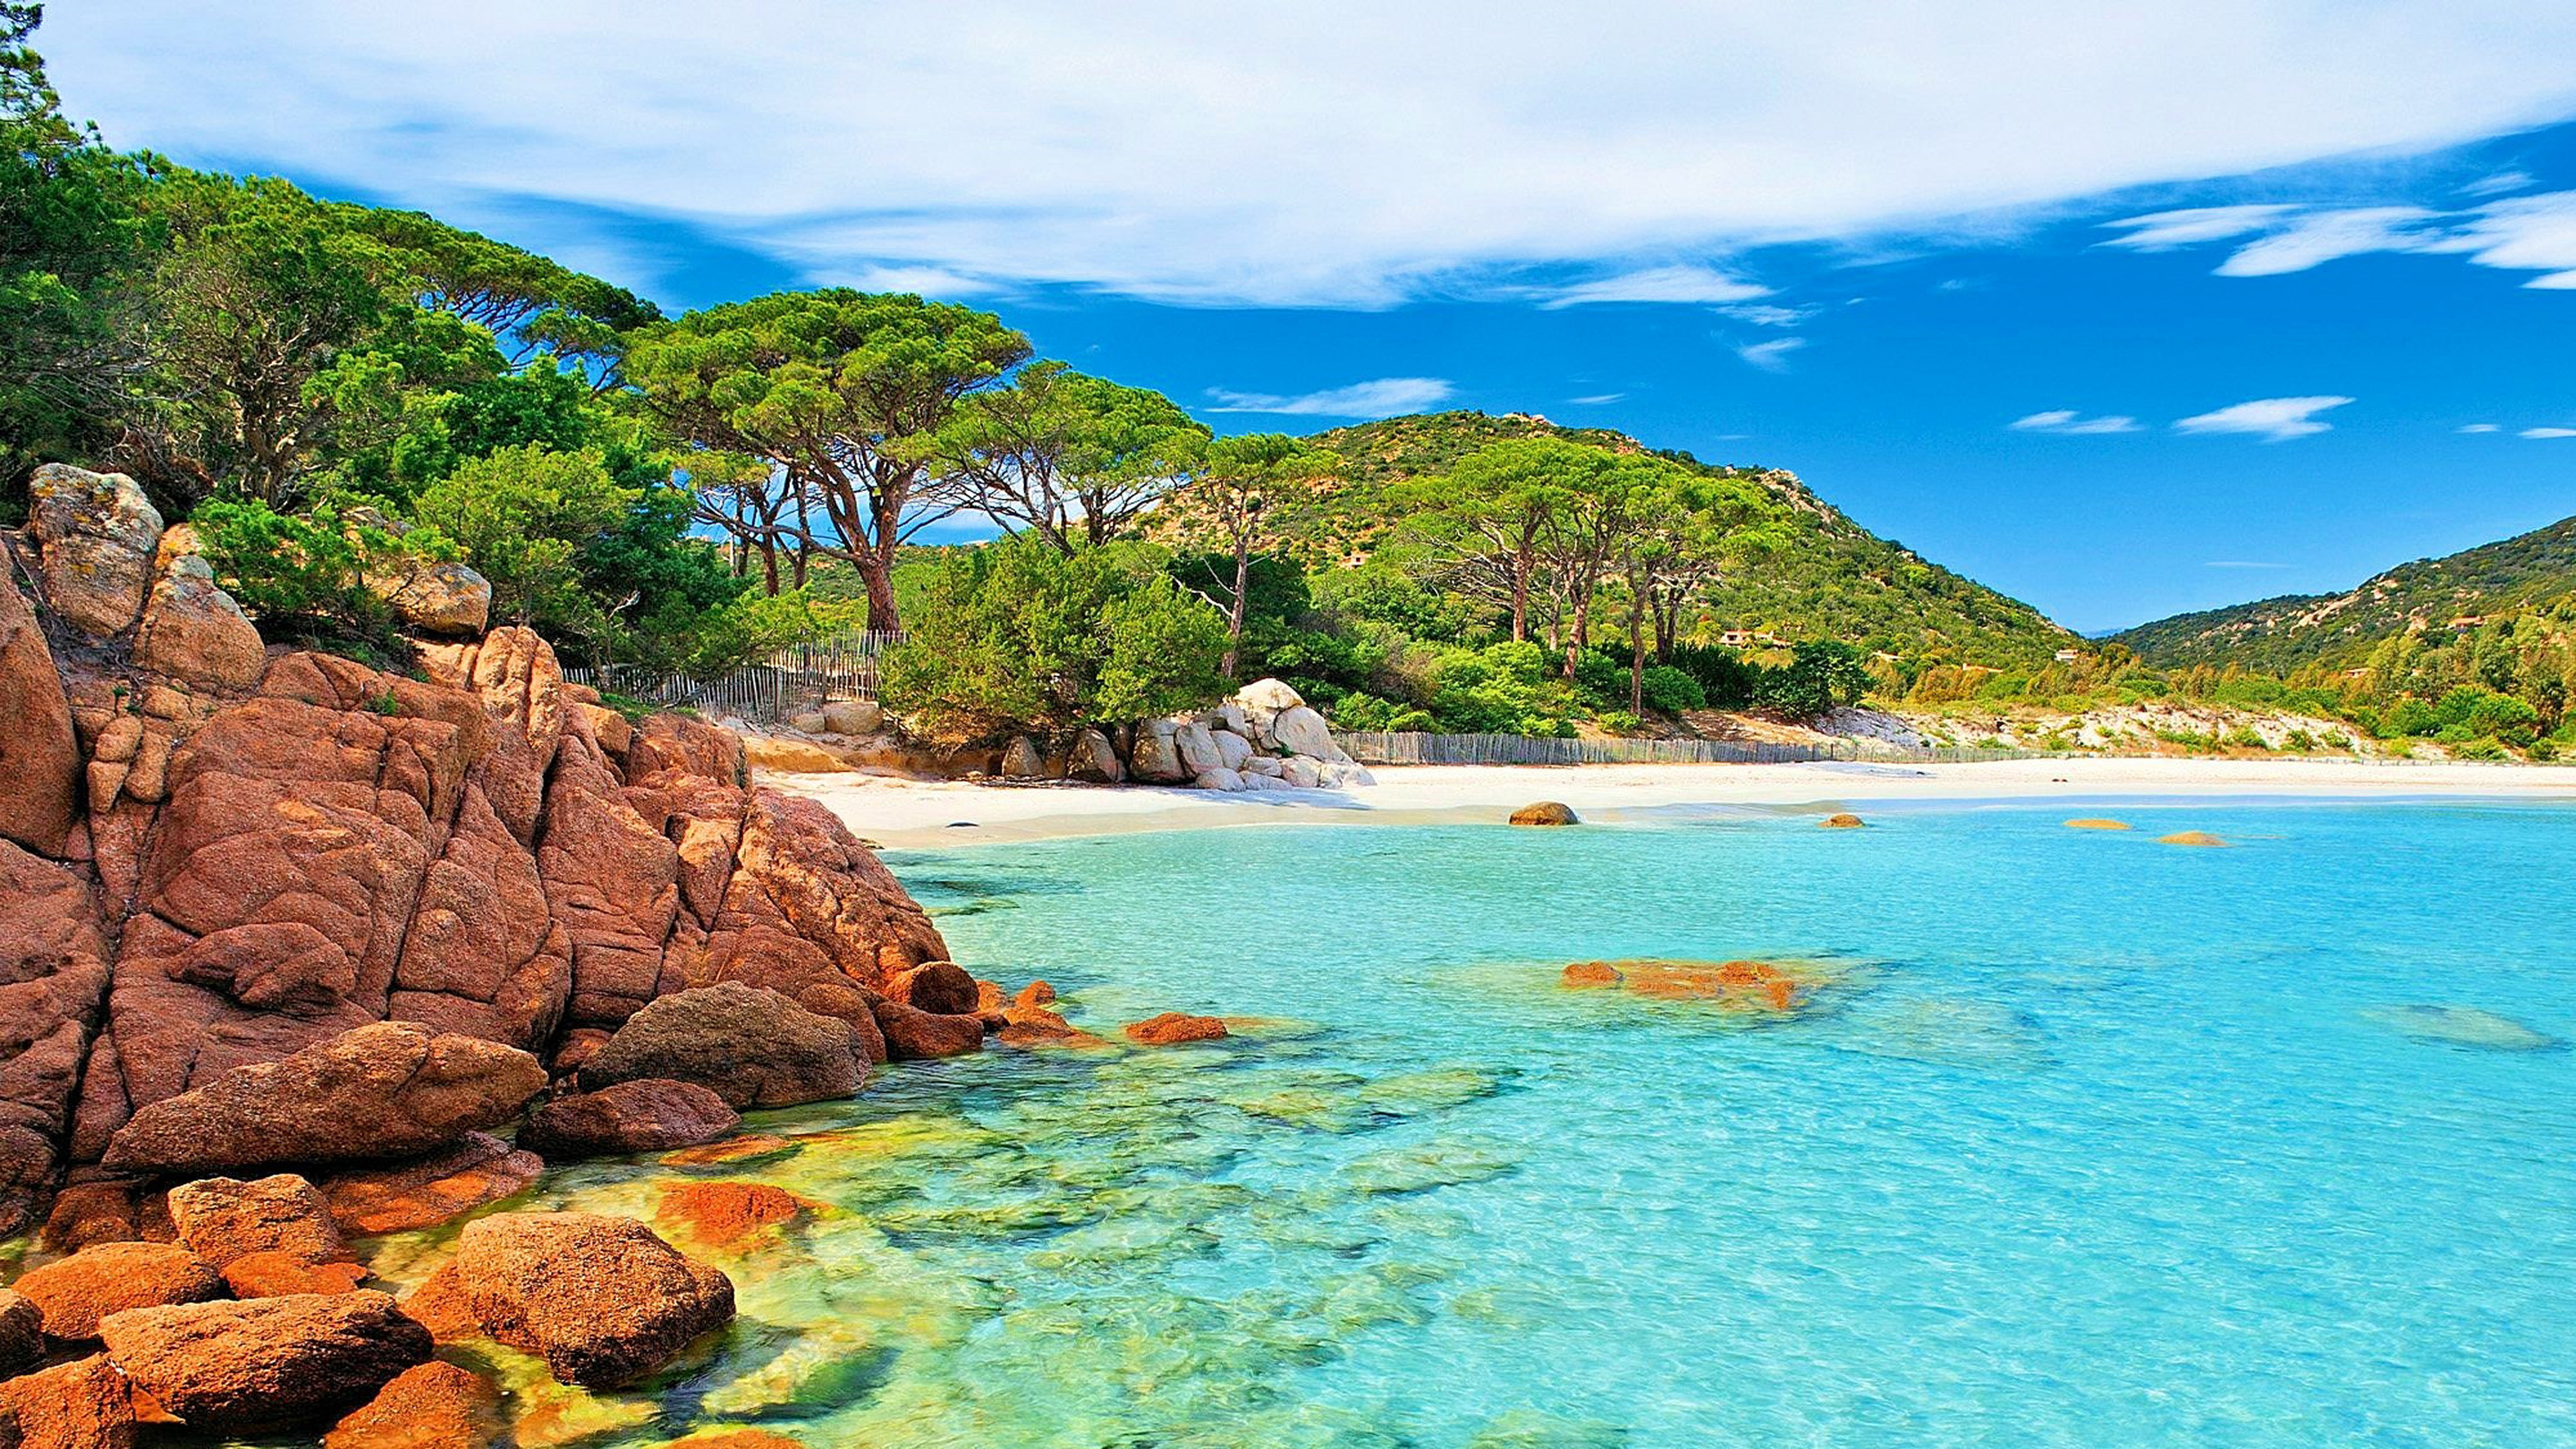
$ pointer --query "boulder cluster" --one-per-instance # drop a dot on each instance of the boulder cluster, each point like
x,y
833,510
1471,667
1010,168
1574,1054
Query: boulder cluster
x,y
1264,738
288,943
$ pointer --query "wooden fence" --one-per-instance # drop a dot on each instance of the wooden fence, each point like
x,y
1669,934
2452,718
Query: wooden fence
x,y
798,677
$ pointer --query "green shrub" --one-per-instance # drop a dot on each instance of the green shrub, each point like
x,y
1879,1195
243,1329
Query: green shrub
x,y
1620,722
297,572
2480,749
1672,691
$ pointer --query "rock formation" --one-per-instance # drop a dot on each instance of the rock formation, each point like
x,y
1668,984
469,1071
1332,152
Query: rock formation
x,y
397,900
601,1299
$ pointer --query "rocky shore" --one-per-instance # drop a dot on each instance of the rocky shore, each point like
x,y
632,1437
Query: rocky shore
x,y
285,940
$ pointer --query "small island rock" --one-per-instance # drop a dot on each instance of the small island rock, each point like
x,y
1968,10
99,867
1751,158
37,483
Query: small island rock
x,y
602,1300
1546,812
1174,1027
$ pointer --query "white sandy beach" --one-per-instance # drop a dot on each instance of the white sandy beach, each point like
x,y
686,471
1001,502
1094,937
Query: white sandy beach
x,y
913,813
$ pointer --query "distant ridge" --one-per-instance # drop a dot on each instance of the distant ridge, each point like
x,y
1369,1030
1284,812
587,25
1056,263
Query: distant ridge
x,y
2527,571
1836,581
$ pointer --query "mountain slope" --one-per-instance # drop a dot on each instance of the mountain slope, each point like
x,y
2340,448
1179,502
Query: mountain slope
x,y
1836,580
2526,571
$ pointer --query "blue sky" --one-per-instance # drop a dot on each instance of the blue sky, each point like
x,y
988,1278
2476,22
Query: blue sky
x,y
2123,310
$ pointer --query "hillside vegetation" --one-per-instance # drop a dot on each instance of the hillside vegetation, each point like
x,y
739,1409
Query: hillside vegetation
x,y
2529,572
1826,577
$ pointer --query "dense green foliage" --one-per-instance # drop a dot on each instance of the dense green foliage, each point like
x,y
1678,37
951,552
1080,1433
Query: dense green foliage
x,y
1021,636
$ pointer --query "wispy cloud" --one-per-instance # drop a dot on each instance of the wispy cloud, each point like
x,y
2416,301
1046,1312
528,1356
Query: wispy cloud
x,y
2499,184
1765,315
2549,432
2479,428
2068,422
2522,233
2323,236
2273,419
1597,399
2165,231
1660,284
1379,398
1293,155
1771,356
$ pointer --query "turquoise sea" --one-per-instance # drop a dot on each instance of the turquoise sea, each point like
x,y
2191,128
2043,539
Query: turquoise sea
x,y
2090,1141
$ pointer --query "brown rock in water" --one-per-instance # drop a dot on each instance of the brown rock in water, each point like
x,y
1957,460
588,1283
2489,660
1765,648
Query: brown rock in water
x,y
1546,812
220,1220
722,1214
1025,1026
438,1188
393,1089
22,1332
278,1273
1590,974
1036,993
1843,821
220,1366
428,1406
601,1299
39,756
753,1048
79,1405
915,1035
750,1147
940,987
439,1304
2192,837
721,1438
1174,1027
651,1114
2097,823
75,1293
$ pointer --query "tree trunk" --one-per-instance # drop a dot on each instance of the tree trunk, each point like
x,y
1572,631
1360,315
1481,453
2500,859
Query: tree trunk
x,y
1234,616
769,565
1582,634
1522,564
1637,649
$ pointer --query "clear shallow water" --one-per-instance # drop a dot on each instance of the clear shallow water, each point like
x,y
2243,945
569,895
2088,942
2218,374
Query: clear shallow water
x,y
2100,1142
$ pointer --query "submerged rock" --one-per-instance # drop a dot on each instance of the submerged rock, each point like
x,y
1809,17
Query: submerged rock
x,y
76,1293
1842,820
912,1034
1740,986
2200,838
1588,974
2096,823
1545,812
601,1299
723,1214
391,1089
2465,1026
752,1047
427,1191
251,1365
1174,1027
650,1114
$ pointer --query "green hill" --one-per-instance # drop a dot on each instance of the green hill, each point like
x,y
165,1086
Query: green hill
x,y
2530,571
1836,580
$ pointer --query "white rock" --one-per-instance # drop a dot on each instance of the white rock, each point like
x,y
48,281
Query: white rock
x,y
1218,780
1271,695
1261,765
96,538
1303,773
1198,749
853,717
1301,731
1344,775
1232,749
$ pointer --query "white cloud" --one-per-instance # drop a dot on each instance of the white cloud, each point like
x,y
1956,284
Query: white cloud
x,y
2479,428
1381,398
2527,233
2163,231
1597,399
2549,432
2273,419
2066,421
2500,183
1288,154
1772,356
2322,236
1659,284
1768,316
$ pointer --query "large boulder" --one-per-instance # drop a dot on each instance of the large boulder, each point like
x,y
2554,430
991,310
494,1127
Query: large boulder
x,y
942,987
602,1300
652,1114
752,1047
1199,752
426,1191
1023,760
1095,759
96,537
434,1405
446,599
80,1405
221,1220
1301,731
193,631
222,1366
393,1089
22,1332
39,755
75,1293
912,1034
853,717
1233,750
1156,758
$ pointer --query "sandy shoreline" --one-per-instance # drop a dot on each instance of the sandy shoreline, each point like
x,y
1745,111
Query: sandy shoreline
x,y
910,813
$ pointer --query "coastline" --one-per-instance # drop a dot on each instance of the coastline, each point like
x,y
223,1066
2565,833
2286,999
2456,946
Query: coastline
x,y
916,814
